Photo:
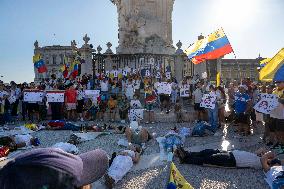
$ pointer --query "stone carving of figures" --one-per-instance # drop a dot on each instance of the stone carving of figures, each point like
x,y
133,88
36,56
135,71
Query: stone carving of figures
x,y
36,44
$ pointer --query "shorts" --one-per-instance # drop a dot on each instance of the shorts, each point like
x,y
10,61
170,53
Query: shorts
x,y
242,118
197,107
136,138
80,106
149,107
70,106
33,107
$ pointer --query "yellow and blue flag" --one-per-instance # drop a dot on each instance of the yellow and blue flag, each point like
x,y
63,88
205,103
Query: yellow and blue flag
x,y
274,69
177,181
211,47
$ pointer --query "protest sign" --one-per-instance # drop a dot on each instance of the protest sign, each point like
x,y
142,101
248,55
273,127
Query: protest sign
x,y
12,99
267,103
135,114
92,94
164,88
208,101
55,96
168,75
33,96
184,91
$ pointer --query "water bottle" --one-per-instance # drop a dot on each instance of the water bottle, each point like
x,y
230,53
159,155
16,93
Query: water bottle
x,y
170,155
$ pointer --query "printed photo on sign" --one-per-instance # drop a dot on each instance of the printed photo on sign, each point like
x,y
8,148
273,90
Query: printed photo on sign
x,y
267,103
33,96
135,114
55,96
208,101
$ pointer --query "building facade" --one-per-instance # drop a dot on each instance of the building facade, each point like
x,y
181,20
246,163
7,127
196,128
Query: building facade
x,y
236,69
54,55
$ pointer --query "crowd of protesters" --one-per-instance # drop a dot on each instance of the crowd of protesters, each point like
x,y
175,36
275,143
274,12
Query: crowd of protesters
x,y
119,93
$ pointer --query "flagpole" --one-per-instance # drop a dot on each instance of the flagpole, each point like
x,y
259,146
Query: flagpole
x,y
239,69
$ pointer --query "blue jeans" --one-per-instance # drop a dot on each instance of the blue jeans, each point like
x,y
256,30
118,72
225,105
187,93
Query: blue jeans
x,y
213,118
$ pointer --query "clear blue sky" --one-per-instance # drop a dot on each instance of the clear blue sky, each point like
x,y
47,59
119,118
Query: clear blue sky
x,y
252,26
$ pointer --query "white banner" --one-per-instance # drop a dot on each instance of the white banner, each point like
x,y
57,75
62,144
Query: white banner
x,y
267,103
164,88
208,101
33,96
135,114
92,93
55,96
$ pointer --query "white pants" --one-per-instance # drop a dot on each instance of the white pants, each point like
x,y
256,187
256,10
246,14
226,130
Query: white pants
x,y
119,167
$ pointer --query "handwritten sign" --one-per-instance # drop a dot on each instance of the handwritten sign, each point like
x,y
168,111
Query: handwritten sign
x,y
208,101
93,94
164,88
267,103
55,96
135,114
184,91
33,96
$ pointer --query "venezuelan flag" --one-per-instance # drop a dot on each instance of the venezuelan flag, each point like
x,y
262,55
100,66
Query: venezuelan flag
x,y
274,69
39,63
211,47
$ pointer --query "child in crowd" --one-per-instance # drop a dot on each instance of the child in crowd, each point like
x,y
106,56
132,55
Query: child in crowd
x,y
123,106
102,107
150,99
70,101
112,106
80,102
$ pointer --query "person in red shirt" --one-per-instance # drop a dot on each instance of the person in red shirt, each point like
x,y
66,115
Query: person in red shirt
x,y
70,101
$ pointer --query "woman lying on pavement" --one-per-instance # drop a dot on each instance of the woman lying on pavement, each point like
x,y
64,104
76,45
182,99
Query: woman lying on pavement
x,y
220,158
121,164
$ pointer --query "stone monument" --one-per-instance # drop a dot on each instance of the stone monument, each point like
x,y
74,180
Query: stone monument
x,y
145,26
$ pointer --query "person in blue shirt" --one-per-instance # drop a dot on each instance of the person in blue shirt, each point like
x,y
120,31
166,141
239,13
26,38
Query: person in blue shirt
x,y
242,106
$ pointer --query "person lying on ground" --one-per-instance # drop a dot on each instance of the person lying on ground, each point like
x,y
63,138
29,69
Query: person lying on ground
x,y
52,168
136,134
220,158
121,164
274,170
18,141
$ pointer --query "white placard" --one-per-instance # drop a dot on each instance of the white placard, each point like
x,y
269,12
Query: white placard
x,y
158,75
208,101
12,99
164,88
135,104
152,61
184,92
33,96
92,93
55,96
267,103
135,114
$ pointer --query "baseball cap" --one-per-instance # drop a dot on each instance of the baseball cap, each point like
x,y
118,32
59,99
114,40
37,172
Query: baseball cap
x,y
52,168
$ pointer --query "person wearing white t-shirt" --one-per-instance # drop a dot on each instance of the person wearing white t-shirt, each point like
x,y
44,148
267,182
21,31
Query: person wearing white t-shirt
x,y
129,92
3,96
197,97
121,164
104,87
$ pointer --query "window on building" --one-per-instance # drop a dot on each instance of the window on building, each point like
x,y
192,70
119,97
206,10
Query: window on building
x,y
54,59
61,59
46,60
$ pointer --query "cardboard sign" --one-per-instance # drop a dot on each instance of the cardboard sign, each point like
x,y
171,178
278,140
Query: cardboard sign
x,y
184,91
55,96
135,104
168,75
92,93
135,114
208,101
164,88
33,96
267,103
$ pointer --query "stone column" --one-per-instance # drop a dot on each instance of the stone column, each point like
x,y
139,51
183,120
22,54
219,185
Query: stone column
x,y
179,62
86,53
